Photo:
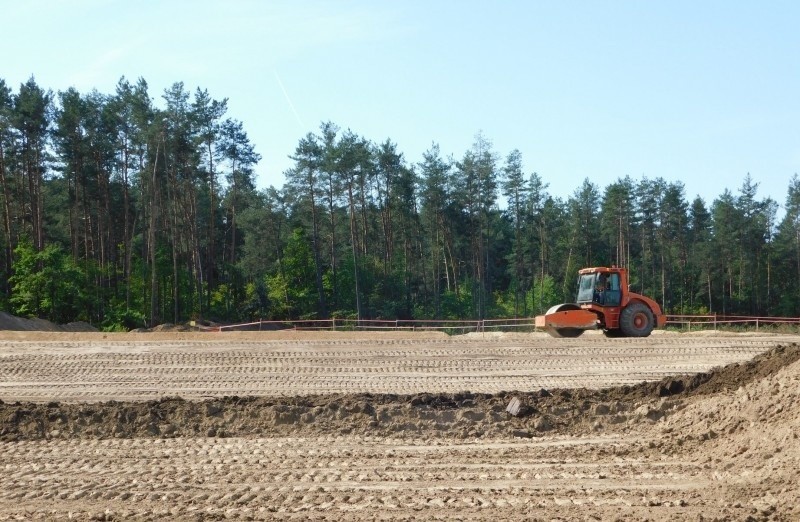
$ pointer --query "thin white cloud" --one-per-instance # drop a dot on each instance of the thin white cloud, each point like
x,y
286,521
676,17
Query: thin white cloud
x,y
109,65
277,31
289,101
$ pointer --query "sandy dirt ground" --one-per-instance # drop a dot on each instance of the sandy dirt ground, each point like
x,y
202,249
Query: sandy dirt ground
x,y
323,426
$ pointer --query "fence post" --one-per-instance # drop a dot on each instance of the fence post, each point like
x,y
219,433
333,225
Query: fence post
x,y
715,322
756,324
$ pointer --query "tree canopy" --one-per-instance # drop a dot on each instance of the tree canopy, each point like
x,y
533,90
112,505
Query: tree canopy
x,y
123,211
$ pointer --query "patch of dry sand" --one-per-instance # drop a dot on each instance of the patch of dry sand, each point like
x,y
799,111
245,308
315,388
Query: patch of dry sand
x,y
714,444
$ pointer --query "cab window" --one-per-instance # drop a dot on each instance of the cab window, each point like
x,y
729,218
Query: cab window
x,y
613,293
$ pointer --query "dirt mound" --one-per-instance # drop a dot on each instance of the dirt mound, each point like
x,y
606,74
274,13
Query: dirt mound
x,y
460,415
11,322
718,380
746,431
169,327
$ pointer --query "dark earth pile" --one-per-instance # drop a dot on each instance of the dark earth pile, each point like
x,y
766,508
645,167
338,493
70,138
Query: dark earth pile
x,y
14,323
461,415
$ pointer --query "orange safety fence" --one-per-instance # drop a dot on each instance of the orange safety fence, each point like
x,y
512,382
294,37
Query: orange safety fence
x,y
717,320
683,321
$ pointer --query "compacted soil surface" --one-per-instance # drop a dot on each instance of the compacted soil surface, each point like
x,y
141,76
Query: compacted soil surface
x,y
336,426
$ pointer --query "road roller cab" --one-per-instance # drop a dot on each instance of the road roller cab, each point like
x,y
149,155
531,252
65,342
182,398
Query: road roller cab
x,y
603,301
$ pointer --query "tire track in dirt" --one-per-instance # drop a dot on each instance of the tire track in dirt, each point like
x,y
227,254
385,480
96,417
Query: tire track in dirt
x,y
42,371
354,477
720,445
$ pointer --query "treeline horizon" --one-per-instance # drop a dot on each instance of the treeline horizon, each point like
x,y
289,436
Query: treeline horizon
x,y
126,213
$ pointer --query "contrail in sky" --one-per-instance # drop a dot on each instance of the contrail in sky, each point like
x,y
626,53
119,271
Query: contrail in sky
x,y
289,100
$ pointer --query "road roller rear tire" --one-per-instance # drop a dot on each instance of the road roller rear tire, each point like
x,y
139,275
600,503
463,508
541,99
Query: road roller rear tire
x,y
636,320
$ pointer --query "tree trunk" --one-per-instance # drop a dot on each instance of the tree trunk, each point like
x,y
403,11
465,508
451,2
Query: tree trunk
x,y
151,240
354,248
9,248
316,246
332,216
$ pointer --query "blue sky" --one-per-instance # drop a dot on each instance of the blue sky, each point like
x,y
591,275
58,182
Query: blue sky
x,y
697,92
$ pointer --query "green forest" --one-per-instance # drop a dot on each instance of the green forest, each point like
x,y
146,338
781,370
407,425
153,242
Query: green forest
x,y
125,209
